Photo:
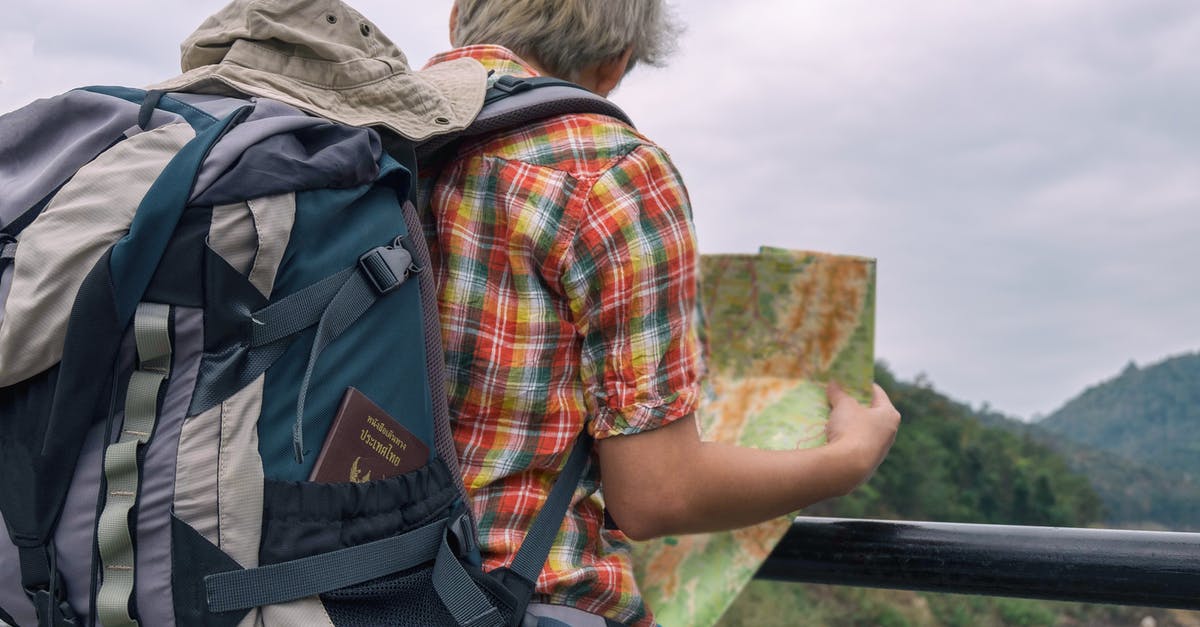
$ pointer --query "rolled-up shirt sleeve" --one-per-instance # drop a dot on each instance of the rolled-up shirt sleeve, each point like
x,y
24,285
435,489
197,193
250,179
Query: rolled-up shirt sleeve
x,y
631,281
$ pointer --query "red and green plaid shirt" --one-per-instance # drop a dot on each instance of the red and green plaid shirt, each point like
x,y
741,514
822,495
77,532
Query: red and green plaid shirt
x,y
566,263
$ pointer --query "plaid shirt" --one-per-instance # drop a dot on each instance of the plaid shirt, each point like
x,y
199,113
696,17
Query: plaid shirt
x,y
566,264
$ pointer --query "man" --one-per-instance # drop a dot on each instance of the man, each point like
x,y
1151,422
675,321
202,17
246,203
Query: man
x,y
566,264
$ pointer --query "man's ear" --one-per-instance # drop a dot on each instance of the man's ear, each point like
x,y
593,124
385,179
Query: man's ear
x,y
608,74
453,22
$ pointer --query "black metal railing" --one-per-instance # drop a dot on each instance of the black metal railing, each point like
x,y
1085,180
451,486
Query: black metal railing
x,y
1147,568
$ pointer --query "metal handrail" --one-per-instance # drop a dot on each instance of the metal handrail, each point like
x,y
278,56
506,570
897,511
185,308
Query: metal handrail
x,y
1146,568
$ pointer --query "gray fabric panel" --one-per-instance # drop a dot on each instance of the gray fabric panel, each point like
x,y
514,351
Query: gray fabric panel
x,y
219,478
47,141
158,475
58,249
232,235
251,236
240,476
196,473
217,106
274,217
12,597
268,118
6,276
75,535
569,615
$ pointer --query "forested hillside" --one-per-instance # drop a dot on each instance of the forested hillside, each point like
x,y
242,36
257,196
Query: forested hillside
x,y
1137,437
1135,494
1149,414
947,465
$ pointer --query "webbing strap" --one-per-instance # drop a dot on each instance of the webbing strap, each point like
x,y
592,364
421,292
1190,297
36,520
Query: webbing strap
x,y
305,577
531,557
8,250
296,312
114,541
460,594
382,270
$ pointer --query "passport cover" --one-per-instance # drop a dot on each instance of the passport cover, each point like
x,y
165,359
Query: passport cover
x,y
366,444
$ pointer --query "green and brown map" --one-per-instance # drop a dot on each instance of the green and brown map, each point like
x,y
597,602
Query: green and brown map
x,y
779,325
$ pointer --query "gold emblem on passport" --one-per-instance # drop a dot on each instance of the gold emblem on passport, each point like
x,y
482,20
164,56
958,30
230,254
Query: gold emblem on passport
x,y
355,473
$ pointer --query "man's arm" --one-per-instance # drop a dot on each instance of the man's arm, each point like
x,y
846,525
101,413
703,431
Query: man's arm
x,y
667,481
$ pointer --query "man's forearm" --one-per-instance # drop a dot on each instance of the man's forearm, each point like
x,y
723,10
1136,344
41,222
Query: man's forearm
x,y
667,481
711,486
729,486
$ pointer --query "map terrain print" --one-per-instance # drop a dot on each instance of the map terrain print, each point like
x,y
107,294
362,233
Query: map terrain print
x,y
779,325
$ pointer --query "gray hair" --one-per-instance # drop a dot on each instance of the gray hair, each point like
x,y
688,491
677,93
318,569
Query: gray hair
x,y
564,37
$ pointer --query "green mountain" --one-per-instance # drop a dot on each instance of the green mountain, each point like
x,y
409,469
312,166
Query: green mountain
x,y
1137,439
1149,414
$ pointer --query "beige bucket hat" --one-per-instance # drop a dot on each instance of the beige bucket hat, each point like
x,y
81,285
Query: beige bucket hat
x,y
325,58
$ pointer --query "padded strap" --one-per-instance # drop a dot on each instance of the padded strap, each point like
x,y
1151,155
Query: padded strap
x,y
152,332
531,557
513,102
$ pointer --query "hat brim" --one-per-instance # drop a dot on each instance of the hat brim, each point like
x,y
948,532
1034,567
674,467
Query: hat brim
x,y
443,98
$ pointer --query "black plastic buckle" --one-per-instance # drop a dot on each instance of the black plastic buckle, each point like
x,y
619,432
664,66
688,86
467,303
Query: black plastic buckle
x,y
386,267
60,612
512,85
463,534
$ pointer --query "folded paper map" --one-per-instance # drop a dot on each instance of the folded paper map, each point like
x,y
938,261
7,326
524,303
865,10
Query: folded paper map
x,y
780,324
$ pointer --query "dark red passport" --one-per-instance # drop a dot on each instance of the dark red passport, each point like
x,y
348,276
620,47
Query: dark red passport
x,y
365,444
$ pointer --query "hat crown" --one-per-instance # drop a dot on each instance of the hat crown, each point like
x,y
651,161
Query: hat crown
x,y
316,30
326,59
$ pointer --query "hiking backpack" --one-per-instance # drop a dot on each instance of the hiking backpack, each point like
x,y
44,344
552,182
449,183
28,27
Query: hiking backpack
x,y
189,284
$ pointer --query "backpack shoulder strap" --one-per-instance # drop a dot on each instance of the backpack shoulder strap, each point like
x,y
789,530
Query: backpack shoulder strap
x,y
512,102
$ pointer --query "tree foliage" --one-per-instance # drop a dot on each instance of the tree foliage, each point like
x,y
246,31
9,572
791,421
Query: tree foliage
x,y
948,465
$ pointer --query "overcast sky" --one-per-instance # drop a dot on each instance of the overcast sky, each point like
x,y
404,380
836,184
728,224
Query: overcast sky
x,y
1026,172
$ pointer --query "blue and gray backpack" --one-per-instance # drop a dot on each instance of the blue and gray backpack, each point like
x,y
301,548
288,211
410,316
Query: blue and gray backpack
x,y
188,285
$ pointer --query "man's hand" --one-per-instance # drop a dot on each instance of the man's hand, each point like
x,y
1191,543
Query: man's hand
x,y
862,434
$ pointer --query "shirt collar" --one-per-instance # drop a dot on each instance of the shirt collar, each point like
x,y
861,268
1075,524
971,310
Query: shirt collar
x,y
496,59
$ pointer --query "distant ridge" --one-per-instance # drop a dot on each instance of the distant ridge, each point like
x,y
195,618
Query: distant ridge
x,y
1150,415
1137,439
